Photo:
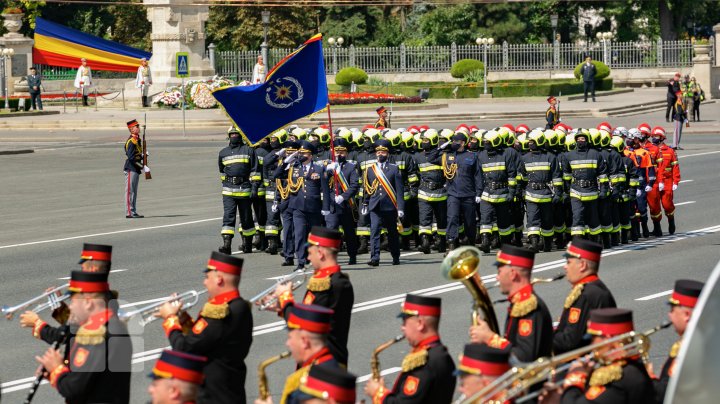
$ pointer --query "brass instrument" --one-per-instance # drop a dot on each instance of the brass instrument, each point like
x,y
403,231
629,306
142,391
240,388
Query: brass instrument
x,y
462,264
375,361
187,300
533,281
520,378
262,377
53,301
296,283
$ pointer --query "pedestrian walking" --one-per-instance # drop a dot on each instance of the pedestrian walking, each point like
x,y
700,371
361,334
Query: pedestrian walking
x,y
673,86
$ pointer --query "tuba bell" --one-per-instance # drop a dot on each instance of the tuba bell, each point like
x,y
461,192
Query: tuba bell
x,y
462,264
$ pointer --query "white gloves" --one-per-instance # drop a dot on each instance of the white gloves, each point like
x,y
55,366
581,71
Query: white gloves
x,y
146,169
661,187
477,199
332,167
290,158
339,199
325,212
274,207
647,188
281,152
638,192
674,187
444,145
401,214
364,210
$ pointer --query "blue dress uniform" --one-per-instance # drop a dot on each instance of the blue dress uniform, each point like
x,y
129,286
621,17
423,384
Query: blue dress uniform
x,y
237,163
309,197
365,158
343,214
282,204
432,195
133,168
272,224
378,198
463,174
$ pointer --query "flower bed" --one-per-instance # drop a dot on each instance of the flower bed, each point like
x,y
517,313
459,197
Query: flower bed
x,y
371,98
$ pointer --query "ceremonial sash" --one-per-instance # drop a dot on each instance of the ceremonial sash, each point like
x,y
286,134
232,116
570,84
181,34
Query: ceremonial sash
x,y
344,185
380,175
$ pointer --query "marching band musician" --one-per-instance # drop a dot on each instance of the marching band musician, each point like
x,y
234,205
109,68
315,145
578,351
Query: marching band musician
x,y
98,365
83,80
327,385
143,81
682,302
480,365
328,287
588,293
222,331
177,377
308,327
428,370
529,325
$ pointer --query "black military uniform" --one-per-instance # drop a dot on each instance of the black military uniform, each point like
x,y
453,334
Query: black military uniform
x,y
624,380
258,195
132,168
588,294
98,363
432,195
237,163
223,333
331,288
428,370
270,163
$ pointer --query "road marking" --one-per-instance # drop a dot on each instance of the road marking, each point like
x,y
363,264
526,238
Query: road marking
x,y
384,372
683,181
163,226
684,203
410,253
385,301
654,296
112,271
699,154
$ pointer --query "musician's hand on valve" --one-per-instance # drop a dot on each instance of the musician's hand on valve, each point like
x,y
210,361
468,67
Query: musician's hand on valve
x,y
650,370
282,288
28,319
169,309
266,401
582,366
373,385
481,332
51,359
551,394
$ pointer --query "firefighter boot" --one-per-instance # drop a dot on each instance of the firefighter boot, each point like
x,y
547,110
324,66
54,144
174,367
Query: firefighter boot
x,y
495,241
256,241
227,244
535,243
452,244
605,240
405,243
560,241
645,228
657,230
615,239
547,243
272,248
624,236
442,244
425,244
506,240
517,239
485,242
363,248
247,244
671,225
635,232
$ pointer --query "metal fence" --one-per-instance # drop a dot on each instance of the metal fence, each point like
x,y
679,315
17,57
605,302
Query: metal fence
x,y
500,57
68,73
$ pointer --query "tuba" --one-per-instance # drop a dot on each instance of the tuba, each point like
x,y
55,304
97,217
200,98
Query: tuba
x,y
262,377
462,264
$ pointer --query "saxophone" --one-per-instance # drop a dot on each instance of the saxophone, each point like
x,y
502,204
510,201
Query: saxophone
x,y
262,377
375,362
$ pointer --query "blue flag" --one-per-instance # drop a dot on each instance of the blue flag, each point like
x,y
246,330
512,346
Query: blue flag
x,y
294,88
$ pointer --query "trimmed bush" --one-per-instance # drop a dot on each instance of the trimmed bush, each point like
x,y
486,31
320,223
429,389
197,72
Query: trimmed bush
x,y
545,89
348,75
462,67
601,70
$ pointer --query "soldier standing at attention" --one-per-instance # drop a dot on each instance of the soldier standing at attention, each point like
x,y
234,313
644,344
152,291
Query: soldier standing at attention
x,y
83,80
552,115
133,167
143,81
382,121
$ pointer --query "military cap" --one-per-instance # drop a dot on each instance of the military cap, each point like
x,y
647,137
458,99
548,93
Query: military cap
x,y
415,305
132,123
382,145
307,147
96,252
686,293
326,382
88,282
380,110
586,249
310,317
484,360
551,98
324,237
460,136
340,144
609,322
515,256
224,263
291,145
179,365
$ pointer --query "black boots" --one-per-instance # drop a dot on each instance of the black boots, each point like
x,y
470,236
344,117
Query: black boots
x,y
615,238
424,244
145,102
247,244
85,101
560,241
535,243
635,231
363,248
671,225
272,247
227,244
605,240
657,231
547,243
442,244
645,228
625,236
517,239
485,242
405,243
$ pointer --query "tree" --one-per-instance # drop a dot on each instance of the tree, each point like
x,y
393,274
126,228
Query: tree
x,y
445,25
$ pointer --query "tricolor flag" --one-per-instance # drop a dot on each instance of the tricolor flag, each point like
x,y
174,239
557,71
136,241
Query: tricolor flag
x,y
58,45
294,88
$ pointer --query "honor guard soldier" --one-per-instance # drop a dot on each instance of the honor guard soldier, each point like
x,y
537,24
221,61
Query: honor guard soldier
x,y
621,379
143,81
552,115
479,366
222,331
428,370
384,201
682,303
588,293
133,167
528,326
98,364
328,287
308,195
382,121
237,163
432,194
668,178
586,171
327,385
177,377
83,80
345,183
270,163
308,326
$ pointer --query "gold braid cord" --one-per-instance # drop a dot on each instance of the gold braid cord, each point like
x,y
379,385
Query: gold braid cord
x,y
292,186
370,188
450,170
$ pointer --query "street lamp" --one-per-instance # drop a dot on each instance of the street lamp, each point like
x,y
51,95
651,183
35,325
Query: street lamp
x,y
265,14
6,54
484,42
604,37
554,24
334,45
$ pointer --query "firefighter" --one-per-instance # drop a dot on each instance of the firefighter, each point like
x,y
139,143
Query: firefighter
x,y
668,178
432,194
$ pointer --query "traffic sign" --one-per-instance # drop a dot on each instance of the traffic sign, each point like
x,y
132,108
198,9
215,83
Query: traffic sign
x,y
182,65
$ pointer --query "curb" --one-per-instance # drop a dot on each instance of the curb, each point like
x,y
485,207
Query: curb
x,y
29,113
20,151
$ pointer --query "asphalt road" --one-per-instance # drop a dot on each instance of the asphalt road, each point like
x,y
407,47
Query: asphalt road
x,y
61,196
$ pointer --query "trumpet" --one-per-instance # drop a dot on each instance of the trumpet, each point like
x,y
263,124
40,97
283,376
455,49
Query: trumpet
x,y
296,283
53,302
262,377
375,361
533,281
187,299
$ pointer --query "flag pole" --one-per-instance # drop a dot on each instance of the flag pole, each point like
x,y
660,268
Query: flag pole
x,y
332,146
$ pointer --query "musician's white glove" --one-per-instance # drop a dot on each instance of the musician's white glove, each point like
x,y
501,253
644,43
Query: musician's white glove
x,y
364,210
477,199
146,169
274,207
638,192
290,158
401,214
444,145
332,167
339,199
325,212
647,188
661,186
674,187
